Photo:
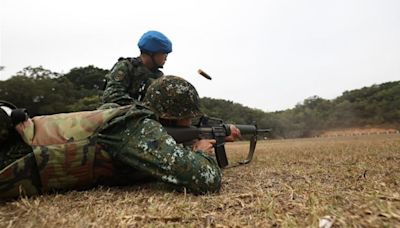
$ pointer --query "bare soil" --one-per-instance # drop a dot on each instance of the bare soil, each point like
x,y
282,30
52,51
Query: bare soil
x,y
359,131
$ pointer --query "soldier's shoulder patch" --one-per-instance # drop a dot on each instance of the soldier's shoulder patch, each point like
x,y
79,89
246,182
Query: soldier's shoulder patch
x,y
119,75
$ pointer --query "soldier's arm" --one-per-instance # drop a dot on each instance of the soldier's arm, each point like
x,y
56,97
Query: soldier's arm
x,y
118,82
151,150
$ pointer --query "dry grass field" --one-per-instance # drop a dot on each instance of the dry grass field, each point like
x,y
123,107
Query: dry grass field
x,y
350,181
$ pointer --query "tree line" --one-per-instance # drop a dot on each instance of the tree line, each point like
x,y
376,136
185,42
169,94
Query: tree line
x,y
44,92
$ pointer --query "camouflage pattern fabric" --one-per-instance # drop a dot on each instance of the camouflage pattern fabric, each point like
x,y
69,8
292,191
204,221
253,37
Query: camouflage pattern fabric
x,y
125,80
63,151
20,178
131,141
164,93
142,143
61,128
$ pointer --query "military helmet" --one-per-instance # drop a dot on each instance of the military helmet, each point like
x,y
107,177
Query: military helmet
x,y
5,120
172,97
155,42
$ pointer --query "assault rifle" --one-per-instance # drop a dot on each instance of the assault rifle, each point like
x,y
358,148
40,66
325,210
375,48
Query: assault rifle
x,y
213,128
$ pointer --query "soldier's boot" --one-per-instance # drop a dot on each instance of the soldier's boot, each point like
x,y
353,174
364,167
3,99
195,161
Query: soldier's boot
x,y
10,116
5,125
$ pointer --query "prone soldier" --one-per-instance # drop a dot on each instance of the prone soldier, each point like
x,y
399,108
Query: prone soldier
x,y
112,146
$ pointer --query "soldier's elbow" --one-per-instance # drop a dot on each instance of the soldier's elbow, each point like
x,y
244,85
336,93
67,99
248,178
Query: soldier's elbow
x,y
209,183
215,186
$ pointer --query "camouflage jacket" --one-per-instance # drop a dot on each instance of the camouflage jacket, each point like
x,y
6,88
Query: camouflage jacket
x,y
128,81
113,146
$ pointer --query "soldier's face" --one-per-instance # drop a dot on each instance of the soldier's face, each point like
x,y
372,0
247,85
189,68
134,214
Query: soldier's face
x,y
160,58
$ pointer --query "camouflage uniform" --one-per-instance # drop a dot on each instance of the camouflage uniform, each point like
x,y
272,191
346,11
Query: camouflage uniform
x,y
128,81
112,146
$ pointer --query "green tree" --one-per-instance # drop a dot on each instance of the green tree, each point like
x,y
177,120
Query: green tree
x,y
85,104
90,77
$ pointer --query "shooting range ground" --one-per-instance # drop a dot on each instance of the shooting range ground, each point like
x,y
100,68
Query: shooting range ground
x,y
344,181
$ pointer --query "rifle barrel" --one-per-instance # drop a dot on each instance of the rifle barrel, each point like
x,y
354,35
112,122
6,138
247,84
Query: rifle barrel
x,y
250,129
246,129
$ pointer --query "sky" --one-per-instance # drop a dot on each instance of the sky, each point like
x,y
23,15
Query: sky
x,y
264,54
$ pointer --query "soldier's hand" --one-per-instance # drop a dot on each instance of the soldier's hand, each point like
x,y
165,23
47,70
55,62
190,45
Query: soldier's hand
x,y
235,134
206,145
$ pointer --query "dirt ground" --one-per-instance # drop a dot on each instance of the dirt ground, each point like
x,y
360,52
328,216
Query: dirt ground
x,y
359,131
341,181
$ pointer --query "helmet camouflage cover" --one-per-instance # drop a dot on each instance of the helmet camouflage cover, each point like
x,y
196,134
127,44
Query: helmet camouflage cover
x,y
172,97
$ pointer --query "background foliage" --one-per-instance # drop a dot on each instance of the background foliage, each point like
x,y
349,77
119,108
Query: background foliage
x,y
44,92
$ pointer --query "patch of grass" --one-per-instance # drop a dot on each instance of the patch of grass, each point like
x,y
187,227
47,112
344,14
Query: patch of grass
x,y
290,183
